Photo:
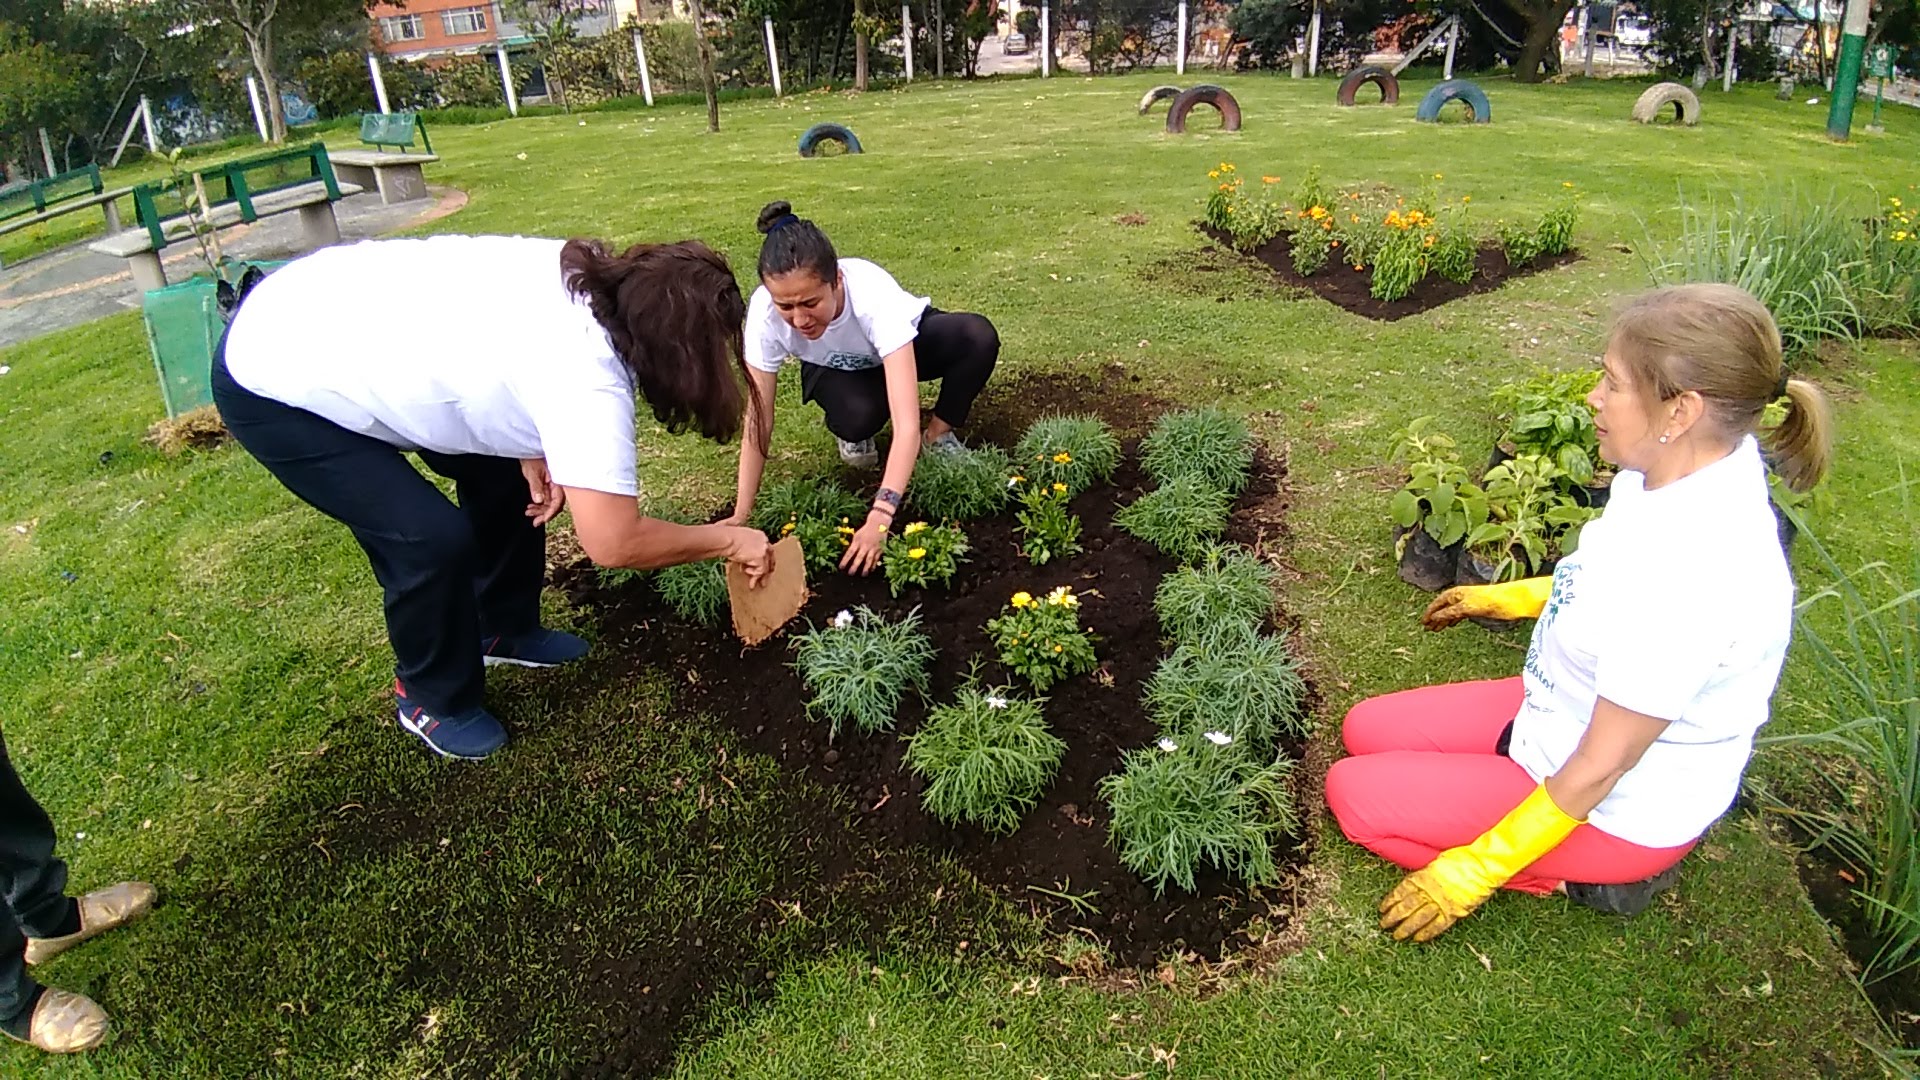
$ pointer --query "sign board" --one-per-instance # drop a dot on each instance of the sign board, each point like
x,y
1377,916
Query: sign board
x,y
1880,62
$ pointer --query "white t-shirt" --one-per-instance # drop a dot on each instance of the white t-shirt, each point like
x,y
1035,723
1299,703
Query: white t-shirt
x,y
456,344
878,317
1678,604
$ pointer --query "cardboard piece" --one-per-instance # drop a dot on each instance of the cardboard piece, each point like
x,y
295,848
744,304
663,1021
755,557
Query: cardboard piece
x,y
758,613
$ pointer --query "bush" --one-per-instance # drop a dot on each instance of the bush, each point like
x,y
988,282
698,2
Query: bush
x,y
792,500
1078,451
1048,531
1181,518
1208,444
695,591
1227,588
922,555
1041,640
986,757
1548,415
1232,686
859,667
961,487
1177,805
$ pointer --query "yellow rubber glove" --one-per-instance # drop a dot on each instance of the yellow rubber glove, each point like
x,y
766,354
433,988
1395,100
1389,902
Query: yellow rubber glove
x,y
1523,599
1460,879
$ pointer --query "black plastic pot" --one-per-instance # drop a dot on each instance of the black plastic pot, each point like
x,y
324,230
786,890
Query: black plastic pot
x,y
1500,456
1473,570
1424,564
1593,498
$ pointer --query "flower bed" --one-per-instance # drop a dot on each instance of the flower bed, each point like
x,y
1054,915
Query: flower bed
x,y
1376,251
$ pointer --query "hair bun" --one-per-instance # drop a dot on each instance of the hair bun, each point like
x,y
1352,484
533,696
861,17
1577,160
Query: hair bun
x,y
771,213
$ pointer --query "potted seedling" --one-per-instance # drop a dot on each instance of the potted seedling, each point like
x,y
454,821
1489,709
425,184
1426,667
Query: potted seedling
x,y
1548,416
1435,510
985,757
859,667
1040,639
1514,542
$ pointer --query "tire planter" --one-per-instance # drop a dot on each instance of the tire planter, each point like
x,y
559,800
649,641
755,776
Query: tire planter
x,y
1462,90
1424,564
1686,104
1361,76
811,139
1204,94
1156,95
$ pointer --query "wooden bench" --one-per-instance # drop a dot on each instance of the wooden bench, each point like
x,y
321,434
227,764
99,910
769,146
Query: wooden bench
x,y
397,175
242,191
23,206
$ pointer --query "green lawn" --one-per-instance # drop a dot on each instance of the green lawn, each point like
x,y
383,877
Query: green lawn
x,y
196,677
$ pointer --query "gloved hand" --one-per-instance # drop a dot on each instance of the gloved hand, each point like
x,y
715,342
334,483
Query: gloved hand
x,y
1523,599
1460,879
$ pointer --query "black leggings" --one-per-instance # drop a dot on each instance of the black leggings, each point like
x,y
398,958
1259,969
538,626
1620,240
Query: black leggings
x,y
957,348
452,575
33,883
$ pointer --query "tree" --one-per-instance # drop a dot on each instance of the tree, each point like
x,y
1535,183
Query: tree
x,y
261,23
862,29
554,27
705,43
40,87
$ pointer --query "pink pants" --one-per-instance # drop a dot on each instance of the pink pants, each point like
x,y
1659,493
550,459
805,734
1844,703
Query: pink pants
x,y
1424,777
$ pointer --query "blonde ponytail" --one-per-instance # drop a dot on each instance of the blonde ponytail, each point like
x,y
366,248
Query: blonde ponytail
x,y
1802,445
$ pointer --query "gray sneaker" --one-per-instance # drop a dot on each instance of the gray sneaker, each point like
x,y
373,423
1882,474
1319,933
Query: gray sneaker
x,y
860,455
947,444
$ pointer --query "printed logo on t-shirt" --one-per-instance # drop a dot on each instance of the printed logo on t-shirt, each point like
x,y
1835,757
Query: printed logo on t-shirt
x,y
848,361
1562,592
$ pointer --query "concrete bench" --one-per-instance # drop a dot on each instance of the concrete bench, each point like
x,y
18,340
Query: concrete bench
x,y
313,201
108,201
35,202
397,175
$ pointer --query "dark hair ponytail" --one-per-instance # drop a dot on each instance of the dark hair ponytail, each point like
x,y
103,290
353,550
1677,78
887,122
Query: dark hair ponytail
x,y
673,313
794,243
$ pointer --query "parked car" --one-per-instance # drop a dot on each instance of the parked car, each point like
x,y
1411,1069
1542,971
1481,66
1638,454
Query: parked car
x,y
1633,31
1016,45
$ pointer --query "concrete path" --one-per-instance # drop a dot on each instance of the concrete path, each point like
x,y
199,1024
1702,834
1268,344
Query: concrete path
x,y
73,285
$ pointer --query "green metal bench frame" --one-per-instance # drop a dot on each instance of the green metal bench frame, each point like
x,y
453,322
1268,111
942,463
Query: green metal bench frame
x,y
381,130
41,194
227,183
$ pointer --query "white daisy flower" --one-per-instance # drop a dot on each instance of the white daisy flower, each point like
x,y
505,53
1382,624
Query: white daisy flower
x,y
1219,738
1168,744
843,620
995,701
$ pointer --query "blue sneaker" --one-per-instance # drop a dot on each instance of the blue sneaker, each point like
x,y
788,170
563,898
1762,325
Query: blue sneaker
x,y
538,647
470,735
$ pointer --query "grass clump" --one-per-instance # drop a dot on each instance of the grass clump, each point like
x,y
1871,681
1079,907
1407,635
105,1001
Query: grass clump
x,y
961,486
1178,804
1182,517
804,500
1232,684
695,591
1209,444
1078,451
859,667
1041,640
985,758
922,555
1227,586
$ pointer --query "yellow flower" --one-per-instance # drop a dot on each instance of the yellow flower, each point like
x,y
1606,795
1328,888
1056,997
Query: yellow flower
x,y
1895,200
1355,218
1437,176
787,528
1062,458
1022,599
918,526
917,553
1429,241
1466,198
1019,479
1566,183
844,530
1901,235
1058,648
1213,174
1059,488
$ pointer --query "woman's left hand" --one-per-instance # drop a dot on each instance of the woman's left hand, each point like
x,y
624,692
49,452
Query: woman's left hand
x,y
547,498
863,551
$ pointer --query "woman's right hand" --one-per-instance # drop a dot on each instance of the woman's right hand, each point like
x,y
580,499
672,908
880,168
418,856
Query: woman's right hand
x,y
751,549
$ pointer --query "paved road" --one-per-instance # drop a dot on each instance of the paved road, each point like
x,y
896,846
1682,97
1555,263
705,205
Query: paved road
x,y
73,285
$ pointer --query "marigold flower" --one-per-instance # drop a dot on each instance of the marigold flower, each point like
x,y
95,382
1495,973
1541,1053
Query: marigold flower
x,y
1022,599
1213,174
787,528
1059,488
1269,179
844,530
917,553
1566,183
1466,198
918,526
1059,648
1062,458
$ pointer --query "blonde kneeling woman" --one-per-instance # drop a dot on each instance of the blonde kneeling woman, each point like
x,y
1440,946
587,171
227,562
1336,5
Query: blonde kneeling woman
x,y
1655,655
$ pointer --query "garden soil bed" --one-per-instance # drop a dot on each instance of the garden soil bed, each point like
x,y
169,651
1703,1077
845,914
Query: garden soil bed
x,y
1830,885
1350,289
1062,844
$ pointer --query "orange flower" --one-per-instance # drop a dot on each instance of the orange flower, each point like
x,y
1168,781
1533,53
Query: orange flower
x,y
1269,179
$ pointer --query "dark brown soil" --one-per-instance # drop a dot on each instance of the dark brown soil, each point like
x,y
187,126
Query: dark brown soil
x,y
1351,289
1830,885
1062,845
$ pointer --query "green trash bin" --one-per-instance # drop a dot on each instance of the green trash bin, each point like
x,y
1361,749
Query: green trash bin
x,y
183,326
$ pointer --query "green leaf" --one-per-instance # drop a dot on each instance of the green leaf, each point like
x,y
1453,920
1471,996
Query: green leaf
x,y
1405,509
1441,498
1452,530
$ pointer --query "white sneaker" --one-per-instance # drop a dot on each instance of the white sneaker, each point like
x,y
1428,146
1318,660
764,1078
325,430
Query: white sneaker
x,y
947,444
860,455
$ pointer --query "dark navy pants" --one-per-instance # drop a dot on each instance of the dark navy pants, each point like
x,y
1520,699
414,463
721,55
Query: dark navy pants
x,y
453,575
34,884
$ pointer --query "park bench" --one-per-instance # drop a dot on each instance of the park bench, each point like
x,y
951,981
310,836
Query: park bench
x,y
299,179
397,175
36,201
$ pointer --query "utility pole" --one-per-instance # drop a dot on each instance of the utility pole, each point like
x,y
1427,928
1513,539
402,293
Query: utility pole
x,y
1846,75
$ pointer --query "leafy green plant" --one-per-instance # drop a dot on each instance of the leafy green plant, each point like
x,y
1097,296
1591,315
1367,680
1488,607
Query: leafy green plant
x,y
695,591
1227,586
1439,498
1048,530
821,541
1255,221
1223,200
1555,234
961,486
1041,640
1862,634
1548,415
1520,493
1180,804
1180,517
1233,686
805,500
922,555
985,757
859,667
1210,444
1078,451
